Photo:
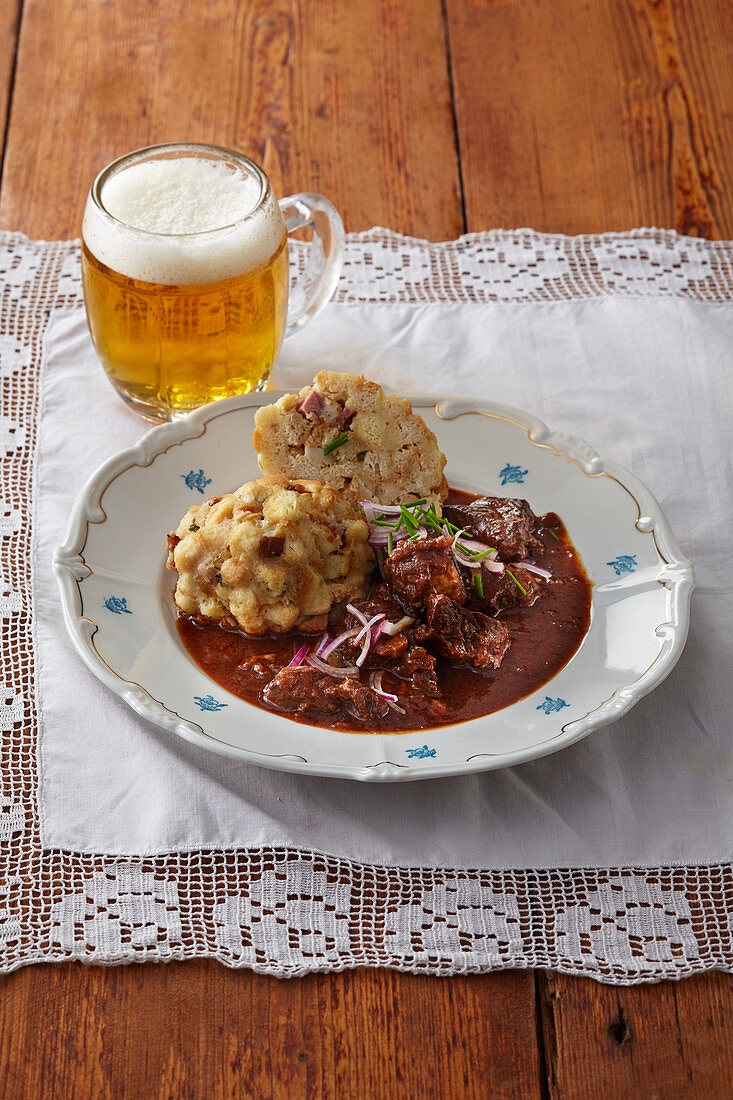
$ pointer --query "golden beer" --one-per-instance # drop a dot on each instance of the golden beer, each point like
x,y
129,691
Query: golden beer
x,y
185,272
170,348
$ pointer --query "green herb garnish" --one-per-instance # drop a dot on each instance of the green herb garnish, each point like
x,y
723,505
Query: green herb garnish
x,y
361,456
390,543
519,586
337,442
194,527
478,584
553,534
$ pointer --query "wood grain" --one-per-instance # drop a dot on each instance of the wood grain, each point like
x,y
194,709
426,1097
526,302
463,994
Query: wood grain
x,y
195,1030
671,1040
10,11
350,99
568,117
581,118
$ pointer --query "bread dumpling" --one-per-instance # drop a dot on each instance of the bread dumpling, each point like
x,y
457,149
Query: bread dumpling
x,y
274,556
345,431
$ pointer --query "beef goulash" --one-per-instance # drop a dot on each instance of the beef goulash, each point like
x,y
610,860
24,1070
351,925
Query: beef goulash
x,y
366,615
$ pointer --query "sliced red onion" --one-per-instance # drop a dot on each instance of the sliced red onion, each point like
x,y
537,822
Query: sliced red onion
x,y
470,560
533,567
322,644
311,405
339,672
474,545
370,624
366,646
333,645
395,628
378,538
375,683
380,509
492,566
357,614
298,657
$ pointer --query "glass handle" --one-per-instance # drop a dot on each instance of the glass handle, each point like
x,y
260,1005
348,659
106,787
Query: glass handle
x,y
319,263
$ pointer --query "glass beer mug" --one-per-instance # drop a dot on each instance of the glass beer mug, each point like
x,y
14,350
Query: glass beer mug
x,y
186,275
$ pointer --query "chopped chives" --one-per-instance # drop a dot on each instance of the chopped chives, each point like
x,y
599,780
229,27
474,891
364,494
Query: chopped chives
x,y
553,534
478,585
335,443
519,586
390,543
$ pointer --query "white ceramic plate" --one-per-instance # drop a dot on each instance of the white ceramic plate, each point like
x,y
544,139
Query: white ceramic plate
x,y
118,606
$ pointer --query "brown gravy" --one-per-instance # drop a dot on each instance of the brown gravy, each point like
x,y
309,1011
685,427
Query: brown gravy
x,y
543,639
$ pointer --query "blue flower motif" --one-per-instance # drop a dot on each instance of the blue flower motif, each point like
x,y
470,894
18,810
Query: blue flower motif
x,y
512,474
421,753
117,605
624,563
208,702
551,705
196,480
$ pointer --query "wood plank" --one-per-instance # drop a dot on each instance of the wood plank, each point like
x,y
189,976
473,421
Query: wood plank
x,y
355,101
197,1030
350,99
673,1040
10,12
583,118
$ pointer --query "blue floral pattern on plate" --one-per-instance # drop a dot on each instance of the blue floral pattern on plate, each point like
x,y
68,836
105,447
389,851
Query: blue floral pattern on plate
x,y
624,563
117,605
551,705
422,753
512,474
208,702
196,479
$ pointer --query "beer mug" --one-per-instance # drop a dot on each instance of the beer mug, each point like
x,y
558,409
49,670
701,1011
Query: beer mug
x,y
186,274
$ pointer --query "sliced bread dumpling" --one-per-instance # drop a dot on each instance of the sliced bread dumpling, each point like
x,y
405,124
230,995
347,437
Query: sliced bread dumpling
x,y
344,431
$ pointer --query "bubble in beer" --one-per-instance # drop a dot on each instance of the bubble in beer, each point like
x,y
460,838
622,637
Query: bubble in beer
x,y
160,206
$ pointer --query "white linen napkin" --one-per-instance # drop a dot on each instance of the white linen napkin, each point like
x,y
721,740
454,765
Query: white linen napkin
x,y
646,381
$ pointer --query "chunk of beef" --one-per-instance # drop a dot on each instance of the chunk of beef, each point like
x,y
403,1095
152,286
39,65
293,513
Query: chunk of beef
x,y
415,570
381,601
501,592
306,689
501,522
360,699
390,649
462,635
300,689
419,666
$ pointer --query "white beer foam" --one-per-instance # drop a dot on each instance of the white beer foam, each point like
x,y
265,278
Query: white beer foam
x,y
154,200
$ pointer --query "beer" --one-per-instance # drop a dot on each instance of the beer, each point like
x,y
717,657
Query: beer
x,y
185,270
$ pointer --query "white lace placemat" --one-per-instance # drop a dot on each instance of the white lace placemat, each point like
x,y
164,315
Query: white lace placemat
x,y
282,907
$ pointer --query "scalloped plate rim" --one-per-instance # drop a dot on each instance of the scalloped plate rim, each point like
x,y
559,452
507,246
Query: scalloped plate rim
x,y
160,438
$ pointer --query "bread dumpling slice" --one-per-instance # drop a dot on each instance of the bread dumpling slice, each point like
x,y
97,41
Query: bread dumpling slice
x,y
344,431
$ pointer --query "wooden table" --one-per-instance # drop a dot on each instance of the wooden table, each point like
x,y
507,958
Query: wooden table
x,y
433,117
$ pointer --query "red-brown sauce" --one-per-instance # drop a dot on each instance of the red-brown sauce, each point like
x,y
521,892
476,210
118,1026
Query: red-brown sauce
x,y
543,639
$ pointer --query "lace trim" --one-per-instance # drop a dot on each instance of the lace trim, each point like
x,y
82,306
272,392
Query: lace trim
x,y
288,912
